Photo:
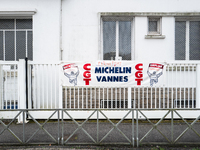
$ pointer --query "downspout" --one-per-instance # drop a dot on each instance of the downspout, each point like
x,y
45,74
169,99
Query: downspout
x,y
61,50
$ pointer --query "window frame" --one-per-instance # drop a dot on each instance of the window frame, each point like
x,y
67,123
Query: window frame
x,y
15,31
117,18
187,20
159,25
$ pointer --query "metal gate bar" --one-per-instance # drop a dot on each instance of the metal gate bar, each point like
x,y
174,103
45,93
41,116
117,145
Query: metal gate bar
x,y
189,126
6,127
154,126
42,127
79,127
115,126
25,140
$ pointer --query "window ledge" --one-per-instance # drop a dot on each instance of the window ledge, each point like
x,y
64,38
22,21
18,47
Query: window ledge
x,y
20,12
154,36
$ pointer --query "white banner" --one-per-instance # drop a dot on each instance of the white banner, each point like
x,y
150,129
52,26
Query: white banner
x,y
112,73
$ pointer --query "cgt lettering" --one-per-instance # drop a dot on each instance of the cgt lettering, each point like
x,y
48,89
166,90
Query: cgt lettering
x,y
87,74
139,74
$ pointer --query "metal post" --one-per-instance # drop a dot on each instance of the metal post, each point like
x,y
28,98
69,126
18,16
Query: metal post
x,y
137,128
21,87
23,126
172,126
58,126
26,76
133,140
97,126
62,140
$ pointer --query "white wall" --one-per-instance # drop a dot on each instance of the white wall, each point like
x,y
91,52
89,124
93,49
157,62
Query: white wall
x,y
45,25
81,23
81,27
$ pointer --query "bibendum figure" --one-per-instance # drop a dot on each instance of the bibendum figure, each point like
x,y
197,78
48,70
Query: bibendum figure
x,y
154,77
72,77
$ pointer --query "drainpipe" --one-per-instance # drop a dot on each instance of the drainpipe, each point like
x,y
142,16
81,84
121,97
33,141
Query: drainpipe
x,y
61,50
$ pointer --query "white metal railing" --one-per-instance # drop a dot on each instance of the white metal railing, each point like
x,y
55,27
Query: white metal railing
x,y
8,85
181,83
44,81
178,91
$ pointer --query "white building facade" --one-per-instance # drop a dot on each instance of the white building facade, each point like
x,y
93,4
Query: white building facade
x,y
90,30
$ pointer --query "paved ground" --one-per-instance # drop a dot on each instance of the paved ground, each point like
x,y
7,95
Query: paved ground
x,y
46,137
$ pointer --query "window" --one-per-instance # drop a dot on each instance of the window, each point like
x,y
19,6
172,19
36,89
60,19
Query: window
x,y
154,26
15,39
187,39
117,38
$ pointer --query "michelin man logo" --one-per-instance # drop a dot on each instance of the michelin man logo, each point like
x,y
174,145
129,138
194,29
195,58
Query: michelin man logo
x,y
154,72
71,71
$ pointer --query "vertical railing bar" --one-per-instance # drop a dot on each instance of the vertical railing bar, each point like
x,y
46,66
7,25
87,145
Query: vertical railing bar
x,y
155,97
14,99
159,99
51,86
188,89
95,98
86,97
124,98
43,85
167,85
147,97
112,98
6,91
74,98
163,96
99,98
134,98
91,97
55,87
120,98
180,86
151,97
10,95
138,97
70,94
176,84
34,88
78,97
103,97
107,97
172,87
65,97
184,85
82,97
116,98
39,87
142,96
47,88
193,86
